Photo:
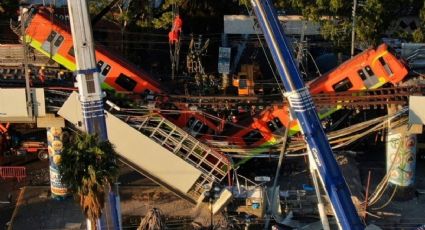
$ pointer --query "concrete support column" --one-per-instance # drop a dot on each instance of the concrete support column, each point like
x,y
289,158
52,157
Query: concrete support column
x,y
401,160
55,147
225,82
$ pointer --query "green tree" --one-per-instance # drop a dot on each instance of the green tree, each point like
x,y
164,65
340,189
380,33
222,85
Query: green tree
x,y
8,7
192,9
335,16
88,165
418,34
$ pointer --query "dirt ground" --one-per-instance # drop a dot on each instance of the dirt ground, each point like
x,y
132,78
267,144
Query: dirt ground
x,y
138,195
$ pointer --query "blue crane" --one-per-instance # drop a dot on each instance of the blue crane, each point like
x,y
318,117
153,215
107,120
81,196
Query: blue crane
x,y
90,93
303,108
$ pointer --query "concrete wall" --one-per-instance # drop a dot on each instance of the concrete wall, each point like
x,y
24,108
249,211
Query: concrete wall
x,y
293,25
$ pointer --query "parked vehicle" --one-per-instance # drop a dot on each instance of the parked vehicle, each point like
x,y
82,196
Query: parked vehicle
x,y
17,148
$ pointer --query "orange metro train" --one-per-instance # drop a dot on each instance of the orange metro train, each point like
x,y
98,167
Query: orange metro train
x,y
368,70
53,38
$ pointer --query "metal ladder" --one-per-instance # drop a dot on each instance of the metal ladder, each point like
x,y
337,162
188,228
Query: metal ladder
x,y
213,164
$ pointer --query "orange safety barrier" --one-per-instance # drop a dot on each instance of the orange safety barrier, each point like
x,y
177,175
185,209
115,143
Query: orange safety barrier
x,y
18,172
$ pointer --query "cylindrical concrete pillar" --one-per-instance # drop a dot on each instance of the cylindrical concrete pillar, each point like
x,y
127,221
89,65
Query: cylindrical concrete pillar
x,y
401,161
55,147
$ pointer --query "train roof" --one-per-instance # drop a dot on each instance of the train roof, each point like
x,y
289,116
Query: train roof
x,y
341,67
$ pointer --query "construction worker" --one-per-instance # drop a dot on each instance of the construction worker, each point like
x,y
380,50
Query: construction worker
x,y
60,75
42,74
174,34
30,76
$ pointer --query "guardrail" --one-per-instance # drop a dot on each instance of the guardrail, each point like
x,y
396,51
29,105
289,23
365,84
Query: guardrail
x,y
18,172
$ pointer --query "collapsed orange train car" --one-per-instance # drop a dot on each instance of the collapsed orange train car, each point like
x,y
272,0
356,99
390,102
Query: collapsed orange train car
x,y
53,38
368,70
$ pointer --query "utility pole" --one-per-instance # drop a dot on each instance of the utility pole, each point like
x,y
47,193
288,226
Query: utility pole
x,y
353,29
320,204
26,70
271,205
88,83
300,53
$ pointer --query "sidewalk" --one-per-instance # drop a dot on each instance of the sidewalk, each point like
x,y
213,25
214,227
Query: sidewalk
x,y
36,210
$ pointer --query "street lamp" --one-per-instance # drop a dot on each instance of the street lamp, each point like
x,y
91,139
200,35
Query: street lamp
x,y
211,193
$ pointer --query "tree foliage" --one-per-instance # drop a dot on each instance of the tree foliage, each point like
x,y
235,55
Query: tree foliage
x,y
87,166
419,33
373,17
8,8
143,13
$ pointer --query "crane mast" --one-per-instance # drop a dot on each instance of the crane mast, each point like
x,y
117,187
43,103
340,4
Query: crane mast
x,y
89,88
87,72
303,108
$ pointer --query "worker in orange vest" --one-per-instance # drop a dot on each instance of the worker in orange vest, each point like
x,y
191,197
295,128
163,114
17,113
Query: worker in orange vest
x,y
30,77
174,34
42,75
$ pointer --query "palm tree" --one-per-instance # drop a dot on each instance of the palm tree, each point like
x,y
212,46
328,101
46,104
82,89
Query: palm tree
x,y
87,166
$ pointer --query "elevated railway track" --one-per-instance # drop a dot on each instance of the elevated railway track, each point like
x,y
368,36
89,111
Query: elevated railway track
x,y
368,99
350,99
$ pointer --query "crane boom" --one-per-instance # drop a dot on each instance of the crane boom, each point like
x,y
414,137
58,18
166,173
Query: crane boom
x,y
303,107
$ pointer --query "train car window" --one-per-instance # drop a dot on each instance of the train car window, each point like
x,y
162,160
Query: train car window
x,y
126,82
103,69
100,64
190,121
243,84
271,126
90,83
382,61
52,35
343,85
277,122
386,66
274,124
369,71
196,127
71,51
58,41
106,70
362,74
201,128
252,137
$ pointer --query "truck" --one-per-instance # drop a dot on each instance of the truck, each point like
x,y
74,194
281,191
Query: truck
x,y
17,148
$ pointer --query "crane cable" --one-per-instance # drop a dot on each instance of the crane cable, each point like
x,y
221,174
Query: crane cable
x,y
264,50
52,23
174,54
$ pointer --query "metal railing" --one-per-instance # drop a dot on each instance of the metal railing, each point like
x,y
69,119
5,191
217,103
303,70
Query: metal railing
x,y
213,165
